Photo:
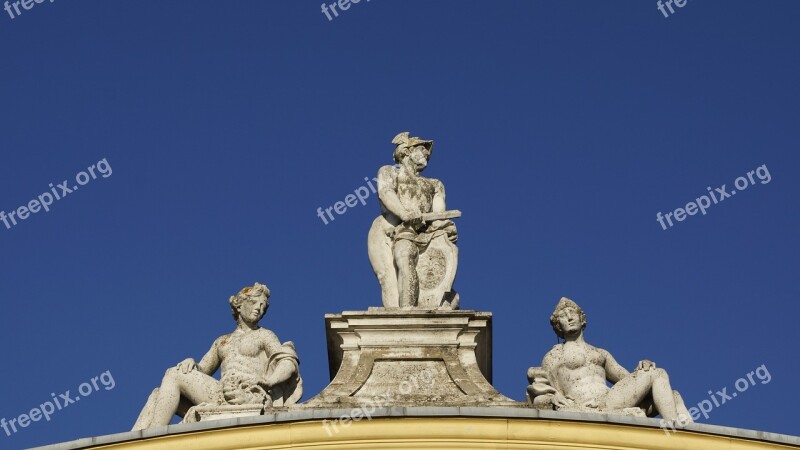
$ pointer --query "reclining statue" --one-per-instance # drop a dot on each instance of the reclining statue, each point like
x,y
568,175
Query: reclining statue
x,y
573,377
411,244
257,370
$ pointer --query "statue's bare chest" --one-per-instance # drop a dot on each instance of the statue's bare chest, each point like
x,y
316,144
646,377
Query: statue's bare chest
x,y
415,192
244,344
578,356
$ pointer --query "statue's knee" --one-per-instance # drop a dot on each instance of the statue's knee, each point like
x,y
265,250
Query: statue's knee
x,y
171,373
661,373
405,254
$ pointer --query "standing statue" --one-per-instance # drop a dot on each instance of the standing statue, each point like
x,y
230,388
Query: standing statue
x,y
411,244
573,377
257,370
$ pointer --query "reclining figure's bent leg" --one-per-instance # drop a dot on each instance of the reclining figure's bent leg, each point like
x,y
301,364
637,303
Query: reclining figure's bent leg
x,y
632,390
165,401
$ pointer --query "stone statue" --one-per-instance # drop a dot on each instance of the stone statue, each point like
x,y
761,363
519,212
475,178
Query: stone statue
x,y
573,377
257,370
411,244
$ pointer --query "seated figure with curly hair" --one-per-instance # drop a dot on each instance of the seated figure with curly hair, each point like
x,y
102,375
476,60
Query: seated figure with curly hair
x,y
256,369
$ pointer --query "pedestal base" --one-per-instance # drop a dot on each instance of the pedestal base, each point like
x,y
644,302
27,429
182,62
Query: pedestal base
x,y
409,357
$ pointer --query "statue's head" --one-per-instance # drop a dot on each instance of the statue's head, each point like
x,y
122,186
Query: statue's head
x,y
250,303
567,318
416,149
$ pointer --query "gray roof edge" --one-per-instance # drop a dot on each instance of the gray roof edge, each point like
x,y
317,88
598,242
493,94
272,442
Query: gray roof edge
x,y
300,415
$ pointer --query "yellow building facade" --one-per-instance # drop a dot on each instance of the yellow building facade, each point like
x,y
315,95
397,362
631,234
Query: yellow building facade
x,y
435,428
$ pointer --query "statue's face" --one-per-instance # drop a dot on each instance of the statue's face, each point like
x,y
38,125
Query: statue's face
x,y
253,309
570,321
419,157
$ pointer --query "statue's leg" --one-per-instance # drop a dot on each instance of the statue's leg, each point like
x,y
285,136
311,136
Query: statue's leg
x,y
681,406
379,248
146,416
632,390
405,258
183,407
195,386
649,406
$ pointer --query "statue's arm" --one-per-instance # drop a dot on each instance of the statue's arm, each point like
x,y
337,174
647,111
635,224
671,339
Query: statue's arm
x,y
438,206
285,368
439,198
387,192
543,390
549,370
211,361
614,371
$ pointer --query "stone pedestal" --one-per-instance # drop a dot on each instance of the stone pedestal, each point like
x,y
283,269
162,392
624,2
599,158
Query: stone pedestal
x,y
409,357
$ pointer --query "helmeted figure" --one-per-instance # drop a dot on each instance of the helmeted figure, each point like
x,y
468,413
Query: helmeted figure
x,y
411,244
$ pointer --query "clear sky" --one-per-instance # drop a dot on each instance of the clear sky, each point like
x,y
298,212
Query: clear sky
x,y
561,129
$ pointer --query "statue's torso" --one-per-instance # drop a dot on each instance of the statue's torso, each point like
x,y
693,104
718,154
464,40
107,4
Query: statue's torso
x,y
415,192
244,354
581,371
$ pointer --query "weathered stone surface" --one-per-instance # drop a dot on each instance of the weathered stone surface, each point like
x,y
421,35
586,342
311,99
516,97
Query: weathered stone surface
x,y
409,357
573,376
220,412
258,372
411,245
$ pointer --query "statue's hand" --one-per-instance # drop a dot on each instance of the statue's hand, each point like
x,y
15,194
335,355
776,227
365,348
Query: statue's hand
x,y
412,219
646,365
410,216
437,225
187,365
561,402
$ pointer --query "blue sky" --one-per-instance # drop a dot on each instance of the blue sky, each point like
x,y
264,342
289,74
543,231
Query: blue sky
x,y
561,128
